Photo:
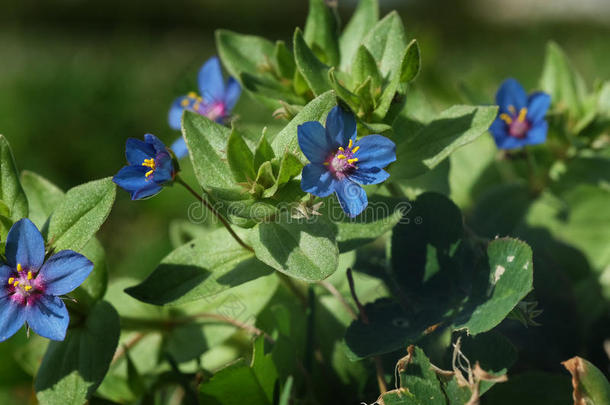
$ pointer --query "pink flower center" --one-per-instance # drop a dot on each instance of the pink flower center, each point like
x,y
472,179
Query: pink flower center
x,y
214,110
342,162
24,285
517,124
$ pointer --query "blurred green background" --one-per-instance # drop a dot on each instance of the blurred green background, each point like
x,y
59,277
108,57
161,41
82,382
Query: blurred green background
x,y
79,77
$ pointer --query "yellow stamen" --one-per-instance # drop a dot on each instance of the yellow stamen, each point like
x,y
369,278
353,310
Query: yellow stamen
x,y
149,173
28,287
341,149
512,110
192,94
30,276
325,163
340,156
149,163
522,114
185,102
196,106
506,118
350,144
199,100
11,280
355,149
350,161
19,268
16,283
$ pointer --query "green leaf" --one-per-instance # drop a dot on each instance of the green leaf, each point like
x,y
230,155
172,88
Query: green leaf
x,y
321,29
313,70
244,53
263,152
387,97
241,160
11,192
203,267
298,248
411,63
284,60
379,217
364,67
423,150
206,140
350,98
561,81
256,382
43,197
94,287
364,19
269,89
315,110
290,166
72,370
385,41
81,213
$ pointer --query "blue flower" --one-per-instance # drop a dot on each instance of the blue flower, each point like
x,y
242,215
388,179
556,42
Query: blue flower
x,y
340,163
520,119
216,100
150,167
30,287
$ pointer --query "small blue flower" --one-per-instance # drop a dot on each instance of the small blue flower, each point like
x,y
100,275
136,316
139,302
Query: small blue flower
x,y
520,119
30,287
150,167
216,100
340,163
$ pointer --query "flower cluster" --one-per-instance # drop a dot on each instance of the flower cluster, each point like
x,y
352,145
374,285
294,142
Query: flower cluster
x,y
216,100
30,286
520,120
340,163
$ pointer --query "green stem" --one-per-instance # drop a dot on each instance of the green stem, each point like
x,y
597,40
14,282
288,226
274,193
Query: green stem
x,y
216,214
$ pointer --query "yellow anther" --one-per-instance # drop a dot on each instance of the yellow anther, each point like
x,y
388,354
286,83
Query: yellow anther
x,y
185,102
340,156
506,118
522,114
350,144
355,149
512,110
196,106
149,173
325,163
16,283
199,100
353,160
149,163
11,280
30,275
192,94
19,268
341,149
28,287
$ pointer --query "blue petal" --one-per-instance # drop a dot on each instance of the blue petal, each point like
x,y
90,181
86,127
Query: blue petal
x,y
146,192
211,82
352,197
48,317
179,148
165,169
12,317
155,142
136,151
5,273
499,131
24,245
313,141
369,176
538,105
375,151
132,178
340,127
64,271
175,112
232,94
317,180
511,93
537,133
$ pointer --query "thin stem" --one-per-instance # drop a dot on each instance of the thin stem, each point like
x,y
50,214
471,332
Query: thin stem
x,y
352,288
216,214
122,350
331,288
383,388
